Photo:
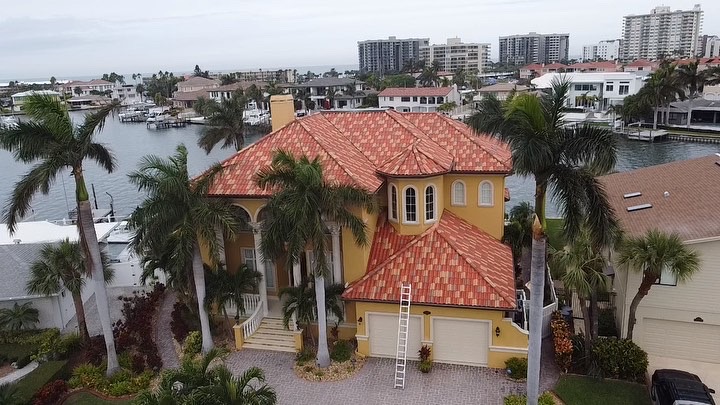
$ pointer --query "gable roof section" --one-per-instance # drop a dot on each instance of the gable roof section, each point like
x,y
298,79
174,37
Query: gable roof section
x,y
197,81
451,264
415,92
691,208
356,147
15,270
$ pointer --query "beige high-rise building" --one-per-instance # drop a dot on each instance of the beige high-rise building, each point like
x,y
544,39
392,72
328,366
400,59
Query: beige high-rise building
x,y
455,54
662,33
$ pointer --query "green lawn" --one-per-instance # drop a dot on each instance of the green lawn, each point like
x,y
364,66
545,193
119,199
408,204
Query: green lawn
x,y
578,390
554,233
84,398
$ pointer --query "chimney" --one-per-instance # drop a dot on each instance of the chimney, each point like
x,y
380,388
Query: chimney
x,y
282,110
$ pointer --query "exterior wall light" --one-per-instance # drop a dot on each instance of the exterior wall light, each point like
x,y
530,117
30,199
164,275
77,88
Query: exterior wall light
x,y
698,319
426,312
497,331
360,320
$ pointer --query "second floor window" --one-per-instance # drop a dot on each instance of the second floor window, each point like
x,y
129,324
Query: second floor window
x,y
458,193
410,205
393,202
405,99
429,203
486,194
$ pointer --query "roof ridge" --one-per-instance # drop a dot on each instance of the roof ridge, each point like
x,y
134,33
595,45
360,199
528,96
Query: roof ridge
x,y
414,130
427,155
464,255
474,139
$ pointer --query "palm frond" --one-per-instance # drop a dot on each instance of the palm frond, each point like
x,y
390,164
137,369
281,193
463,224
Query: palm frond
x,y
40,178
50,112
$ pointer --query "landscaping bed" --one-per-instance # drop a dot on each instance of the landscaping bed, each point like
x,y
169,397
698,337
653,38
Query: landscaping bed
x,y
345,362
83,397
580,390
36,379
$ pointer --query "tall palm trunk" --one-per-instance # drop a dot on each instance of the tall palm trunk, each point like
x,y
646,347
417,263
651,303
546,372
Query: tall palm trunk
x,y
80,315
594,314
647,281
540,196
92,249
199,279
537,281
323,355
587,321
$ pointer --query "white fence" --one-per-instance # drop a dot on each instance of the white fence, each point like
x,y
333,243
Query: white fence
x,y
547,310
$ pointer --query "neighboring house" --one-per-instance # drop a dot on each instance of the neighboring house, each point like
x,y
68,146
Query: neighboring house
x,y
440,187
595,91
500,90
20,250
126,93
18,99
641,65
187,99
712,92
275,76
219,93
86,88
418,99
589,67
678,323
705,111
326,92
87,102
196,83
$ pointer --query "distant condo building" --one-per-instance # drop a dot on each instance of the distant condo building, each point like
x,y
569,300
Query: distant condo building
x,y
661,33
534,48
709,46
270,76
389,55
603,50
455,54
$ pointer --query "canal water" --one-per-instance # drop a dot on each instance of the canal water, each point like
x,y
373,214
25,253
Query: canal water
x,y
131,141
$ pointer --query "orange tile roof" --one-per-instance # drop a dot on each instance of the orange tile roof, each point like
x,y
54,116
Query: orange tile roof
x,y
532,66
453,263
415,92
355,147
555,66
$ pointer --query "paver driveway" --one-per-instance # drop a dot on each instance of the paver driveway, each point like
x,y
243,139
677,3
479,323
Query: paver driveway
x,y
446,384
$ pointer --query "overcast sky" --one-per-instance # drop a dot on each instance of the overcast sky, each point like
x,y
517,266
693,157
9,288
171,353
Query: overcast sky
x,y
40,38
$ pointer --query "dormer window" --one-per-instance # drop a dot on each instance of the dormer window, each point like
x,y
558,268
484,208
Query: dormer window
x,y
485,194
410,205
458,193
393,203
430,204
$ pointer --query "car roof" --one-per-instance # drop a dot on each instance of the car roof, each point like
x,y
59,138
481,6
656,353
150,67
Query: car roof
x,y
675,375
683,386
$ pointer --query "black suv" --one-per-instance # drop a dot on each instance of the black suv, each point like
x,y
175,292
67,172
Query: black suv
x,y
675,387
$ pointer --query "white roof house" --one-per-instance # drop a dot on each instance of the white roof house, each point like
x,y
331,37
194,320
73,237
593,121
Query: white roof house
x,y
594,91
47,232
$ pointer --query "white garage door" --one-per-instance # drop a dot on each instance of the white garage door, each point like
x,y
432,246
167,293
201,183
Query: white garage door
x,y
460,341
682,340
383,334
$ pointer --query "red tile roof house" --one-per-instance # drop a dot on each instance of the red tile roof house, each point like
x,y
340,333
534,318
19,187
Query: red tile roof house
x,y
418,99
442,191
678,323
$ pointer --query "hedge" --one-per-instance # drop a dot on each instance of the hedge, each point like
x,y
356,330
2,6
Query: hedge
x,y
36,379
15,352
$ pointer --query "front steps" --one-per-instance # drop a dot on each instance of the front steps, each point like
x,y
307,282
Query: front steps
x,y
271,335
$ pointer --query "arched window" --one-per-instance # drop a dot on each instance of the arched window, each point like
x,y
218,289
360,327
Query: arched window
x,y
485,194
430,204
393,202
431,100
410,204
440,100
458,193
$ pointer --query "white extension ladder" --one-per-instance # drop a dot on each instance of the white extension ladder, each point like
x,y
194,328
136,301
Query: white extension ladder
x,y
403,326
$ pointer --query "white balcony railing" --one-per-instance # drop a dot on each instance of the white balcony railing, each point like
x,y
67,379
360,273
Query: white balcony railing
x,y
253,322
250,301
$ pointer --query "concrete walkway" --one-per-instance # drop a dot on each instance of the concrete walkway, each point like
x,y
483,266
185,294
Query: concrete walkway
x,y
18,374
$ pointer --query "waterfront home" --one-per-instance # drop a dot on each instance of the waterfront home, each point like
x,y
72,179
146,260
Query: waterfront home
x,y
501,91
87,102
18,99
94,86
441,189
224,92
126,94
196,83
678,323
595,91
331,92
418,99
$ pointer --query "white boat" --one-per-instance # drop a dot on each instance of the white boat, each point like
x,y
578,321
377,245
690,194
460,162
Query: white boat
x,y
8,122
120,234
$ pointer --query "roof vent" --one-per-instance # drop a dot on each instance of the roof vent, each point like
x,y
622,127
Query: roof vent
x,y
666,194
631,195
639,207
17,241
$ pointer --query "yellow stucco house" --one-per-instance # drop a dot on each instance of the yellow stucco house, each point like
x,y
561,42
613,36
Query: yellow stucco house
x,y
442,194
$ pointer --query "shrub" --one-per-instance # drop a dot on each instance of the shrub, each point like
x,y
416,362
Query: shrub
x,y
424,353
606,323
304,356
182,321
123,382
18,353
51,393
425,366
561,341
9,394
342,351
621,359
193,344
89,376
36,379
131,333
516,367
55,347
544,399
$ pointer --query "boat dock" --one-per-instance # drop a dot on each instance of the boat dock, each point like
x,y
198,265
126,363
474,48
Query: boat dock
x,y
168,123
139,117
646,135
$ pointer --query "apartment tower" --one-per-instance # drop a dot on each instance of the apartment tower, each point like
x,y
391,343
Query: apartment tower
x,y
662,33
388,55
455,55
534,48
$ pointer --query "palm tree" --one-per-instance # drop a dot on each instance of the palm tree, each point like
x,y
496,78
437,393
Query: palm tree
x,y
19,317
225,288
202,381
518,231
566,160
653,253
62,266
298,211
224,123
712,76
694,80
300,301
78,91
51,139
9,394
429,76
537,280
175,215
662,87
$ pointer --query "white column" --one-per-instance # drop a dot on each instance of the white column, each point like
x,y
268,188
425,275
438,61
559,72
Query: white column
x,y
297,274
337,259
260,265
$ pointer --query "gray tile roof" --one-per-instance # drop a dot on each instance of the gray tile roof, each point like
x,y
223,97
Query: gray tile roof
x,y
326,82
15,261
